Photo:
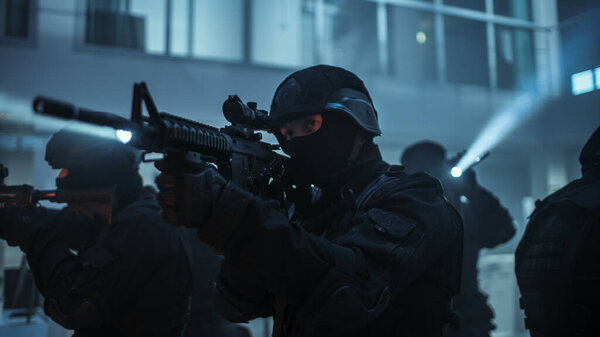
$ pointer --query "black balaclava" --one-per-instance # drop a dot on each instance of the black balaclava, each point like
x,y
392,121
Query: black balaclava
x,y
319,156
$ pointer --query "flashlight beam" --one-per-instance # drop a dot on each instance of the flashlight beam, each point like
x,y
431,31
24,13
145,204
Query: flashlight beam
x,y
502,124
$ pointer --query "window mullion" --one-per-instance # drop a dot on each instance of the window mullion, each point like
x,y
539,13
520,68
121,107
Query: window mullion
x,y
440,43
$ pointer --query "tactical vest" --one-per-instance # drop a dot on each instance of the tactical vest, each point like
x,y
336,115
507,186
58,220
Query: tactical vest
x,y
420,312
557,264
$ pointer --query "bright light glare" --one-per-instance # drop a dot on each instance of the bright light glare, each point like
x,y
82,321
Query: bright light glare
x,y
582,82
456,172
597,73
421,37
124,136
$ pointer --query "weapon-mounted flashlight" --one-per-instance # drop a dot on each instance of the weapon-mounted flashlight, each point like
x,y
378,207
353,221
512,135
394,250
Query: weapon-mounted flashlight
x,y
124,136
456,172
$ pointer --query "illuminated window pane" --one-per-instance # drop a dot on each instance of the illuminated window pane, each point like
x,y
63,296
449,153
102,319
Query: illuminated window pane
x,y
519,9
154,14
597,75
411,44
179,28
466,51
515,57
582,82
287,37
218,29
350,36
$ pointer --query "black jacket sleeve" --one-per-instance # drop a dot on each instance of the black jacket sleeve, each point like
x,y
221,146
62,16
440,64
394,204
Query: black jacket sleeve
x,y
494,223
119,283
405,230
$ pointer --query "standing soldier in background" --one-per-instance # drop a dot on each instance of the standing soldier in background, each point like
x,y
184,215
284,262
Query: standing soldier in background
x,y
131,275
558,259
375,253
486,225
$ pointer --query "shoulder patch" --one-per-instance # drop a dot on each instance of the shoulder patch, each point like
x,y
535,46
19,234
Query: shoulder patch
x,y
391,223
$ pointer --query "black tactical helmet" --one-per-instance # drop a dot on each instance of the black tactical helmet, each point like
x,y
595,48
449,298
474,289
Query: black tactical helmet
x,y
426,156
92,161
590,154
324,88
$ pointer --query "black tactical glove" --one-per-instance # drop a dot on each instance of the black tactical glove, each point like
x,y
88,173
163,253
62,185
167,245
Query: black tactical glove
x,y
17,224
469,179
188,191
463,184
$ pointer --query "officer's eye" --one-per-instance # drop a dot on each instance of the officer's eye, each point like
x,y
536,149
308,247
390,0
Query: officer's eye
x,y
286,132
309,125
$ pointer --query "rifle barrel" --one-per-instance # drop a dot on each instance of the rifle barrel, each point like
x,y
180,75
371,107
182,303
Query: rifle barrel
x,y
52,107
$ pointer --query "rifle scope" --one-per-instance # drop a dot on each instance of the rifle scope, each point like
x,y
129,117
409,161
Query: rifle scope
x,y
236,112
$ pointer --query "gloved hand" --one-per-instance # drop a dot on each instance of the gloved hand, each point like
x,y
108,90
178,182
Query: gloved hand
x,y
188,191
469,178
464,184
17,224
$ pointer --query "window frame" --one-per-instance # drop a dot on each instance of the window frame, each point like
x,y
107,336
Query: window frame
x,y
489,17
318,8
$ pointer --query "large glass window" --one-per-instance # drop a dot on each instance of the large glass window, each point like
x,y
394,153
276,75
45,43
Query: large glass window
x,y
582,82
398,38
520,9
514,55
133,24
412,55
466,51
470,4
179,33
349,36
287,37
155,21
206,28
14,18
218,29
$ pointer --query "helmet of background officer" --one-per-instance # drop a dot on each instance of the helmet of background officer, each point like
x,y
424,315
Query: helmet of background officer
x,y
94,162
425,156
322,116
590,154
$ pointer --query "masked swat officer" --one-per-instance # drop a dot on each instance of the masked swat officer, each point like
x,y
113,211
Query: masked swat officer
x,y
486,225
130,277
376,253
558,259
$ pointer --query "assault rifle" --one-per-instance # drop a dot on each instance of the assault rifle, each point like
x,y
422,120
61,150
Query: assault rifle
x,y
236,150
28,196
